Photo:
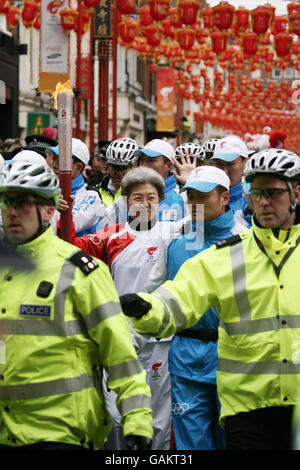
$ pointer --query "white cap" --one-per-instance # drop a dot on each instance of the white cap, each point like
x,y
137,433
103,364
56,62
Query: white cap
x,y
156,148
79,150
229,148
30,156
206,178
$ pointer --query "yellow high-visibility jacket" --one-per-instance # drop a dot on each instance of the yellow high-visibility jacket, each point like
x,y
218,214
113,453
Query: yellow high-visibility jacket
x,y
60,324
106,196
259,310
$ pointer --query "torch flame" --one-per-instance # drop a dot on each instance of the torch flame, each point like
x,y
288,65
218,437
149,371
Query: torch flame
x,y
61,88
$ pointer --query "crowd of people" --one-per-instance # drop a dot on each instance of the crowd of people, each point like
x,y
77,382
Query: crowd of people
x,y
197,246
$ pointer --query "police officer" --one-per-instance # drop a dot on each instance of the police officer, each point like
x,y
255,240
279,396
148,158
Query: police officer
x,y
61,324
252,279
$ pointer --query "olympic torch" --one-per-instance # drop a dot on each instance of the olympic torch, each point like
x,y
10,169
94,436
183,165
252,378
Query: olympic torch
x,y
63,97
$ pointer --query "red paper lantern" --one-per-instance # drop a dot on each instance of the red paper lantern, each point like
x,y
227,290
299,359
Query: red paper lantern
x,y
126,7
159,9
223,15
37,22
153,33
169,30
201,33
242,18
188,10
174,17
250,43
29,10
12,16
145,17
280,24
207,16
294,22
261,18
283,44
186,37
293,8
219,41
68,18
91,3
127,29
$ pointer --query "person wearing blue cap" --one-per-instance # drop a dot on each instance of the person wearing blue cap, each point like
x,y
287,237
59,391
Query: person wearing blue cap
x,y
193,352
159,154
87,207
230,155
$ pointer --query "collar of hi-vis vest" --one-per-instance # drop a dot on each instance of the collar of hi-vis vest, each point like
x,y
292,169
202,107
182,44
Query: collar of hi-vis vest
x,y
39,245
284,239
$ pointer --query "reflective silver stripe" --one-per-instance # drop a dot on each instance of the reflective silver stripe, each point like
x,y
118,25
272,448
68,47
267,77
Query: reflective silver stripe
x,y
46,389
260,368
58,326
135,402
239,281
125,369
173,304
102,312
261,325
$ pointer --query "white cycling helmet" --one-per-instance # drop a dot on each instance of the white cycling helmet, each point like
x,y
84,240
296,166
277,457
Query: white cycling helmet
x,y
193,150
35,178
280,162
121,151
209,145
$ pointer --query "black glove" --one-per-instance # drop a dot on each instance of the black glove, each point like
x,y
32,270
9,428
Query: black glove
x,y
137,442
134,306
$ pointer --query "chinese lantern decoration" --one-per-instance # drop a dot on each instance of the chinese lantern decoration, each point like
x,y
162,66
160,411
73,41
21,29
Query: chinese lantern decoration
x,y
201,33
261,18
207,16
153,33
174,17
187,10
68,18
159,9
29,10
12,16
91,3
296,48
145,17
223,15
219,41
169,31
126,7
280,24
250,43
37,22
127,29
293,8
82,22
242,19
186,37
283,44
294,22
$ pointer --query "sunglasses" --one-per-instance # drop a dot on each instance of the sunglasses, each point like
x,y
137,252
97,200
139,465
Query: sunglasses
x,y
270,193
19,202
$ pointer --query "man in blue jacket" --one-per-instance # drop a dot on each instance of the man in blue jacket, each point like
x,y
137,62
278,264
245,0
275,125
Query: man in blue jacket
x,y
193,352
158,154
230,155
